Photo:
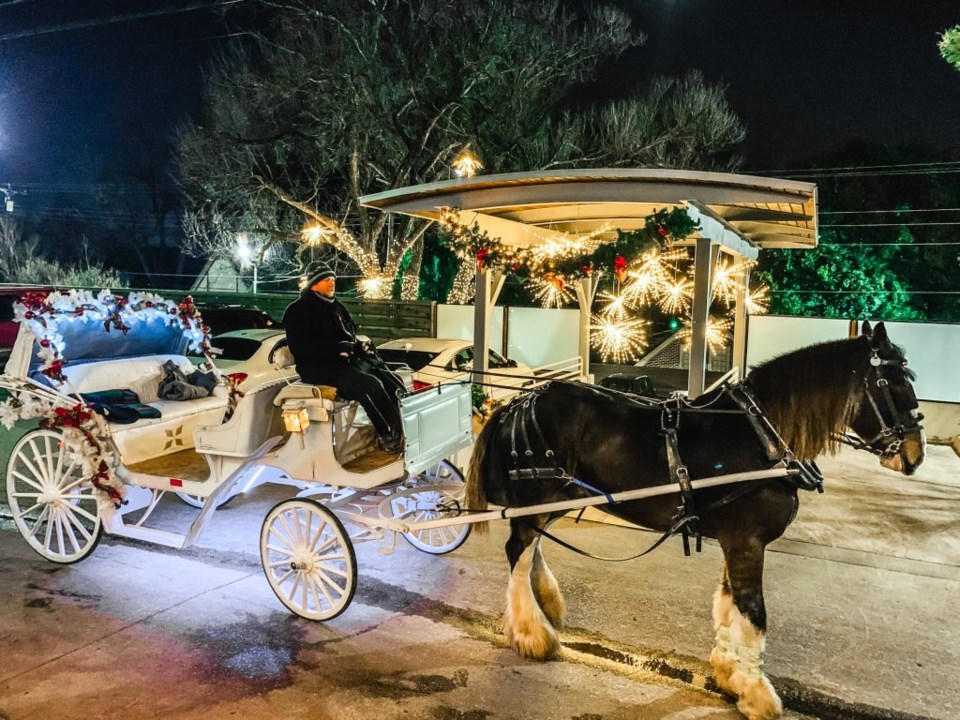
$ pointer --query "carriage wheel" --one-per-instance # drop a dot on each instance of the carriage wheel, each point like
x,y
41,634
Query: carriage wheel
x,y
308,559
431,503
54,507
197,501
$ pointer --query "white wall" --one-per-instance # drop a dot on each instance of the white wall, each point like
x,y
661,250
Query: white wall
x,y
771,335
456,321
931,348
933,351
538,336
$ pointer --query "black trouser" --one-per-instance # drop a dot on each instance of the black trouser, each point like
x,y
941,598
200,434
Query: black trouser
x,y
377,391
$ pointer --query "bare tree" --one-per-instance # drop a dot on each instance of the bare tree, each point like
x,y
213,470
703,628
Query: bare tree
x,y
340,100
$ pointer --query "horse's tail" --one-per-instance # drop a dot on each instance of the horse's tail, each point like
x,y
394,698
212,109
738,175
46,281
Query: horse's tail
x,y
476,496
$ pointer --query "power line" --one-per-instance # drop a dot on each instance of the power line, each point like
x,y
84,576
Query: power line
x,y
895,210
98,22
892,224
859,167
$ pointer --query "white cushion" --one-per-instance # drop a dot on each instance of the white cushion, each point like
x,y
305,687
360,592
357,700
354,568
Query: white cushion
x,y
140,374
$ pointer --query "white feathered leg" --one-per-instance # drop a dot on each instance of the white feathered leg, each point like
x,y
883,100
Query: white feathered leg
x,y
737,660
525,626
547,590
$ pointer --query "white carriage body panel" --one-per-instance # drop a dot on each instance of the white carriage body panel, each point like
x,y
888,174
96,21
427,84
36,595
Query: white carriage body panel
x,y
436,424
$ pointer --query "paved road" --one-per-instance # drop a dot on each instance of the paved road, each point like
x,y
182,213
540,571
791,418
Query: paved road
x,y
861,600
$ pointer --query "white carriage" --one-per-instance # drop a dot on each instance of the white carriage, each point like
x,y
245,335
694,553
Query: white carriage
x,y
79,475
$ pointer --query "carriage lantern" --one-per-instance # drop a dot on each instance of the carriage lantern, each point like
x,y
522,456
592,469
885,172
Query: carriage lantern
x,y
295,419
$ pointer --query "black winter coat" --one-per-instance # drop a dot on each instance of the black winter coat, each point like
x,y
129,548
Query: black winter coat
x,y
318,331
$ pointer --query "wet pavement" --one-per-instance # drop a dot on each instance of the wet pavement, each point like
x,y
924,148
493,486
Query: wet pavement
x,y
861,595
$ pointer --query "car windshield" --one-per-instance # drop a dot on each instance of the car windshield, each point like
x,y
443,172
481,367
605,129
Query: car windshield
x,y
235,348
416,359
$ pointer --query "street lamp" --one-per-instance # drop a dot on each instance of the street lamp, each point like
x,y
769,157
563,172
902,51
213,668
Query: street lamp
x,y
247,256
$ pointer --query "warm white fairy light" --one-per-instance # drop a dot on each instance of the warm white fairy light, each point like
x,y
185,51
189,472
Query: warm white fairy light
x,y
728,277
551,291
675,296
718,330
463,290
375,287
758,300
618,341
616,307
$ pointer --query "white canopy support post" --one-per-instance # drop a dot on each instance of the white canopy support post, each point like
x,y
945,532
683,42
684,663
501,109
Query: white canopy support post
x,y
703,264
586,292
488,286
715,233
739,359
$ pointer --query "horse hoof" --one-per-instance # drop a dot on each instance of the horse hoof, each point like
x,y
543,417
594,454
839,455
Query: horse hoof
x,y
756,698
542,645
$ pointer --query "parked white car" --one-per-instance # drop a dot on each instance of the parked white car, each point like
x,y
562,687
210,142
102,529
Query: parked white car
x,y
439,360
253,357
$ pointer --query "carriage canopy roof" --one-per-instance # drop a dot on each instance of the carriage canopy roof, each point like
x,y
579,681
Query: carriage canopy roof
x,y
764,212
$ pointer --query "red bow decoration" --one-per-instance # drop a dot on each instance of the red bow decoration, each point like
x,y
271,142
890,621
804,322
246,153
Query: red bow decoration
x,y
481,257
620,266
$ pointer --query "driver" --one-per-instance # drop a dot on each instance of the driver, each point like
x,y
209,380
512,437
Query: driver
x,y
323,341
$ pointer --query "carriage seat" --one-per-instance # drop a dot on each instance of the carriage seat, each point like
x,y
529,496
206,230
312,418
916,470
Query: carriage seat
x,y
148,437
323,396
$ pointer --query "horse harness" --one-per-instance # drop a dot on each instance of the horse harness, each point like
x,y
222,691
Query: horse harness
x,y
900,428
521,415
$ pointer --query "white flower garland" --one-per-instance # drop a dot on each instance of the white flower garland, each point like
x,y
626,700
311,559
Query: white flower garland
x,y
43,312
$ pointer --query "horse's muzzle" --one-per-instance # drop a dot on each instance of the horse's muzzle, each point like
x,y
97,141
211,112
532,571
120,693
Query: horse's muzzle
x,y
909,456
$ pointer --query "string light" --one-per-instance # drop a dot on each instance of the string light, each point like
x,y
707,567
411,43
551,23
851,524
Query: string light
x,y
616,308
728,279
551,290
375,287
758,300
675,296
466,164
718,330
621,341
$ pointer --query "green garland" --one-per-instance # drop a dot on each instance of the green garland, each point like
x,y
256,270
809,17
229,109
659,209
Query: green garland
x,y
660,230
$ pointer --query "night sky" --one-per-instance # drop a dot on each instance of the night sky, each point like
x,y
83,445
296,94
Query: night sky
x,y
806,78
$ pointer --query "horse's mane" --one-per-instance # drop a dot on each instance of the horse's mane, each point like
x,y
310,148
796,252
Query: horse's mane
x,y
810,396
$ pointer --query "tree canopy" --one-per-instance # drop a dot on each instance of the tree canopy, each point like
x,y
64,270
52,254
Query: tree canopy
x,y
338,100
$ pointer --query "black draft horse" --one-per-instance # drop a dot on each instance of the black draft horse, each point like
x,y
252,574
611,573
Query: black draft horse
x,y
584,440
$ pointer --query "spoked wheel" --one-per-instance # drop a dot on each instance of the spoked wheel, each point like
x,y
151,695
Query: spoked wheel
x,y
430,501
53,505
308,559
197,501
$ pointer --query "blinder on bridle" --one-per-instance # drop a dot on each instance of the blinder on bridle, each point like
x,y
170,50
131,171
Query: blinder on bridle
x,y
900,422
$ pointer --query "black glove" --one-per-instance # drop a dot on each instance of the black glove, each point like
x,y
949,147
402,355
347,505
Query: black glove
x,y
345,347
362,347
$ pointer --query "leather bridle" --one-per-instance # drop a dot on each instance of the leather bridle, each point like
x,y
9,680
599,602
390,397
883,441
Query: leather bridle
x,y
900,423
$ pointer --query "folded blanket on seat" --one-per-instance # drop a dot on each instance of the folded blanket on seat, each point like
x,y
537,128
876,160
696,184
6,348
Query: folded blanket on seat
x,y
119,406
177,385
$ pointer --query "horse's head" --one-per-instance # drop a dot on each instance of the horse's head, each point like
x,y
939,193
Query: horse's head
x,y
888,422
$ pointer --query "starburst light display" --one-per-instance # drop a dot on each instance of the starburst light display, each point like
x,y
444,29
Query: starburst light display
x,y
552,291
718,330
618,342
675,296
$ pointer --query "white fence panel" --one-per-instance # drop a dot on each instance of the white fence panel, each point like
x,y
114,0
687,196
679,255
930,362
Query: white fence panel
x,y
932,350
772,335
456,321
539,336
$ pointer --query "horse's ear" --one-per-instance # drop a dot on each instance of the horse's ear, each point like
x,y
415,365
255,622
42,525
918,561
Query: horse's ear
x,y
865,329
879,337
